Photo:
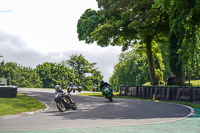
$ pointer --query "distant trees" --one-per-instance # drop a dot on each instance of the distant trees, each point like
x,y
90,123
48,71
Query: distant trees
x,y
131,69
85,72
52,74
47,75
19,75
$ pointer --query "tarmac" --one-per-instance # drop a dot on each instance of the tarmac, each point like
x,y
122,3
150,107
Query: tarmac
x,y
187,125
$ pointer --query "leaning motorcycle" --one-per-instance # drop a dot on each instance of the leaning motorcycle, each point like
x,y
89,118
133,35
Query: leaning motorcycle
x,y
108,94
64,102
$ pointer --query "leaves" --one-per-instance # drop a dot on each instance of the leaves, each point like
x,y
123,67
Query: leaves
x,y
130,70
47,75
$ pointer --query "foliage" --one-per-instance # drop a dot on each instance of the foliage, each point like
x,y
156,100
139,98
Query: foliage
x,y
123,23
47,75
131,69
52,74
85,72
19,75
163,47
184,26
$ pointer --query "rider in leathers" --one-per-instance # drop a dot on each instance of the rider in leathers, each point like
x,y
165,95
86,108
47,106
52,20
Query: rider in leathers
x,y
60,92
103,85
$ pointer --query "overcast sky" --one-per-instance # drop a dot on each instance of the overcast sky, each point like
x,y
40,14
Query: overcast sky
x,y
37,31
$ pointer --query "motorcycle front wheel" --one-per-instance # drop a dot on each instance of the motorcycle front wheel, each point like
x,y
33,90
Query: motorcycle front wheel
x,y
74,105
110,98
60,106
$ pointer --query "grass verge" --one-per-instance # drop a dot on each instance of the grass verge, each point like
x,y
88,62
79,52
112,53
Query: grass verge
x,y
116,95
21,103
193,83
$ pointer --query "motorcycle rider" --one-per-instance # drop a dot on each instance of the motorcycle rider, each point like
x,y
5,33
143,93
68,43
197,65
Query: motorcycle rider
x,y
69,87
59,93
74,88
103,85
80,87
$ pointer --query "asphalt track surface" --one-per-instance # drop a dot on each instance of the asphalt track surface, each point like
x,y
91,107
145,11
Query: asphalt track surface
x,y
92,112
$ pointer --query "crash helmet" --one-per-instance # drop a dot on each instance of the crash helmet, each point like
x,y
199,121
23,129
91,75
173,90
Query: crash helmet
x,y
57,87
101,82
71,83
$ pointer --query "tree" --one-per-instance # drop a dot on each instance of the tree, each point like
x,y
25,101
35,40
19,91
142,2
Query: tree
x,y
10,71
19,75
86,73
124,23
45,73
132,67
80,65
52,74
184,22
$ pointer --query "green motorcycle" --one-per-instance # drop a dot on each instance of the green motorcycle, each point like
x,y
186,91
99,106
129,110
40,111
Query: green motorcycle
x,y
108,94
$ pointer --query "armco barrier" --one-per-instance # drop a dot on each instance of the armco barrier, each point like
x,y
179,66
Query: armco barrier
x,y
186,94
8,91
134,90
197,95
122,90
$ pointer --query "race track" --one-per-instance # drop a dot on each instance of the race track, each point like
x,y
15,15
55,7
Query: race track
x,y
93,112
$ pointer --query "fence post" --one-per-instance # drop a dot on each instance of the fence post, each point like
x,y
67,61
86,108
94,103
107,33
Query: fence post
x,y
198,95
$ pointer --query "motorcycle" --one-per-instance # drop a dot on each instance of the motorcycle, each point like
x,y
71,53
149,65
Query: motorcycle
x,y
64,102
108,94
79,88
74,89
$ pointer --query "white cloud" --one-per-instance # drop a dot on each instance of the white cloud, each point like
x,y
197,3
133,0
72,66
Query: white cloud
x,y
36,31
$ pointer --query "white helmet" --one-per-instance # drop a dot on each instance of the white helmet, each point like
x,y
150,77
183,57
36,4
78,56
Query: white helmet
x,y
57,87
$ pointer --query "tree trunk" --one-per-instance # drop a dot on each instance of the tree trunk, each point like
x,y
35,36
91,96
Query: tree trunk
x,y
150,62
176,65
191,69
187,71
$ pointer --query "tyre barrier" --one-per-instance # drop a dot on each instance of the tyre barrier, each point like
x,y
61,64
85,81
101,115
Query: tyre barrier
x,y
185,94
8,91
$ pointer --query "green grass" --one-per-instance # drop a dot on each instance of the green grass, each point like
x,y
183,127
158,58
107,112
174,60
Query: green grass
x,y
98,94
193,83
116,95
21,103
185,103
147,84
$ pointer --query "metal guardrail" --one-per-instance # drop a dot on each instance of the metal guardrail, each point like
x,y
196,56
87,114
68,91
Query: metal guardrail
x,y
186,94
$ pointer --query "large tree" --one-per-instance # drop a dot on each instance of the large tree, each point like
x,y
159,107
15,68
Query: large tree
x,y
124,23
52,74
80,65
86,72
130,70
184,21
